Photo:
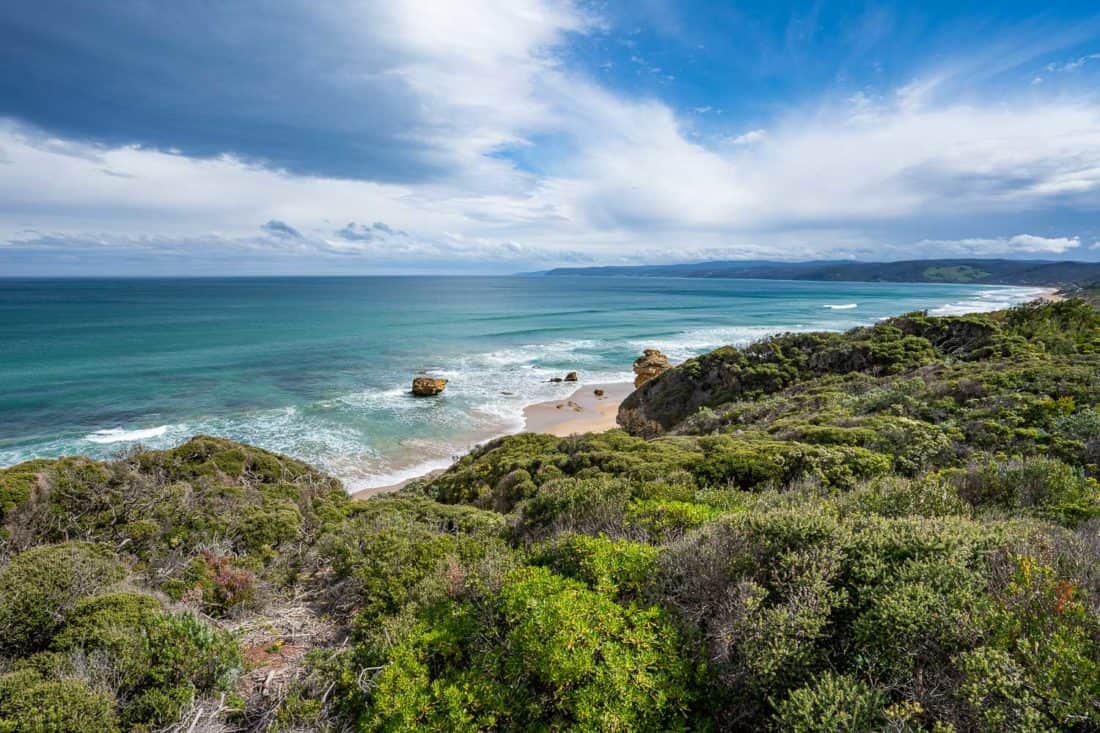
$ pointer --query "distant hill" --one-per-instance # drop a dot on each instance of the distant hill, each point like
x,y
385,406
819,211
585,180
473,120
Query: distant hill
x,y
1006,272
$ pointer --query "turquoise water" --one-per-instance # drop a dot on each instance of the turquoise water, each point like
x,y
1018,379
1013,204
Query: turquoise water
x,y
319,368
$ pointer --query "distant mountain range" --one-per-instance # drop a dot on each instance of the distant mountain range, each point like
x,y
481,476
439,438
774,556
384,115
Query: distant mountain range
x,y
1005,272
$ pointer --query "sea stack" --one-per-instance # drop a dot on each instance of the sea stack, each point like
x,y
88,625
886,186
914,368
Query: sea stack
x,y
428,386
649,365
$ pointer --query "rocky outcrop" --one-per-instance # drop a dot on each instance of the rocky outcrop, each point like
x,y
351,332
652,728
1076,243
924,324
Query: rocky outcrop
x,y
571,377
428,386
650,364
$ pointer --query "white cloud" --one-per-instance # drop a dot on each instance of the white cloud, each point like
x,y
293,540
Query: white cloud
x,y
831,178
1073,64
750,137
1031,243
1018,244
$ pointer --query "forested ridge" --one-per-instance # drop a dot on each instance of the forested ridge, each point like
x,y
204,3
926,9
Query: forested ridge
x,y
891,529
1065,273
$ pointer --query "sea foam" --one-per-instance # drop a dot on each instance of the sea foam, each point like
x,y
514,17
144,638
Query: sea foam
x,y
119,435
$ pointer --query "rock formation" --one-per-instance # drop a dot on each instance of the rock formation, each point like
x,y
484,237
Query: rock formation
x,y
428,386
649,365
598,392
571,377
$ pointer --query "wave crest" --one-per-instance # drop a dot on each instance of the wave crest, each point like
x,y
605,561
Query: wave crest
x,y
118,435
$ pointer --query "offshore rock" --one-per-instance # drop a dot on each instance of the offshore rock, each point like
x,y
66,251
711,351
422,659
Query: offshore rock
x,y
571,377
428,386
649,365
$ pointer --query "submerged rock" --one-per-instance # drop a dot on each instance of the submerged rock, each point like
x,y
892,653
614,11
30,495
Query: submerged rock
x,y
649,365
428,386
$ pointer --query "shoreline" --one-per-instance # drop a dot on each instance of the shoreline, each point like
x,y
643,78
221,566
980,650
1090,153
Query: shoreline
x,y
584,412
1051,295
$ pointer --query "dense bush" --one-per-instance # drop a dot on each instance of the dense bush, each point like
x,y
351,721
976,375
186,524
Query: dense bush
x,y
546,654
832,704
155,661
39,587
31,704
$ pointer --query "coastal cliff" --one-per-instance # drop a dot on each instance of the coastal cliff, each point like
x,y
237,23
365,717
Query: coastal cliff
x,y
893,528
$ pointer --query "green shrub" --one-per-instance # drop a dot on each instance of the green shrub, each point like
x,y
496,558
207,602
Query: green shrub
x,y
894,496
589,506
31,704
385,511
763,464
158,660
388,567
269,525
587,662
475,477
617,568
833,704
38,587
17,482
560,657
1047,485
1038,668
664,520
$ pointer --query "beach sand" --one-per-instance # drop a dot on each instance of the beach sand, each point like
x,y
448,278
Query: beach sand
x,y
1051,295
376,490
581,412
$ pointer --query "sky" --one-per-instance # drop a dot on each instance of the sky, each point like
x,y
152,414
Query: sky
x,y
493,136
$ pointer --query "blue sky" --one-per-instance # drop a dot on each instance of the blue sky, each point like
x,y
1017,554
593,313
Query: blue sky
x,y
141,137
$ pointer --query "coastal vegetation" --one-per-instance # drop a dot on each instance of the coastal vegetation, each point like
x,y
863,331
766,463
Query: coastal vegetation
x,y
895,528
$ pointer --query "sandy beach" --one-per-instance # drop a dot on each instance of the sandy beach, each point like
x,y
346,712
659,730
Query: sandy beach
x,y
581,412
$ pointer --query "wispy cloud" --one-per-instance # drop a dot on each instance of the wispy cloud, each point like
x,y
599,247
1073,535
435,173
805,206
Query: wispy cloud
x,y
750,137
1072,65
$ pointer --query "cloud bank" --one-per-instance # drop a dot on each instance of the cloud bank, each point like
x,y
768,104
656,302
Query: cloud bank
x,y
465,133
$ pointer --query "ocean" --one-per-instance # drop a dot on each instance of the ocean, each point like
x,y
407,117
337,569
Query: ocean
x,y
320,368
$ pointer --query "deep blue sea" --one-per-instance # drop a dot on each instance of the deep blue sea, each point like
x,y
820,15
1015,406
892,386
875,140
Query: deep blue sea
x,y
319,368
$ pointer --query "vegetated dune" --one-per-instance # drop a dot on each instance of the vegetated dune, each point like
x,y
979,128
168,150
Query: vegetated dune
x,y
893,528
